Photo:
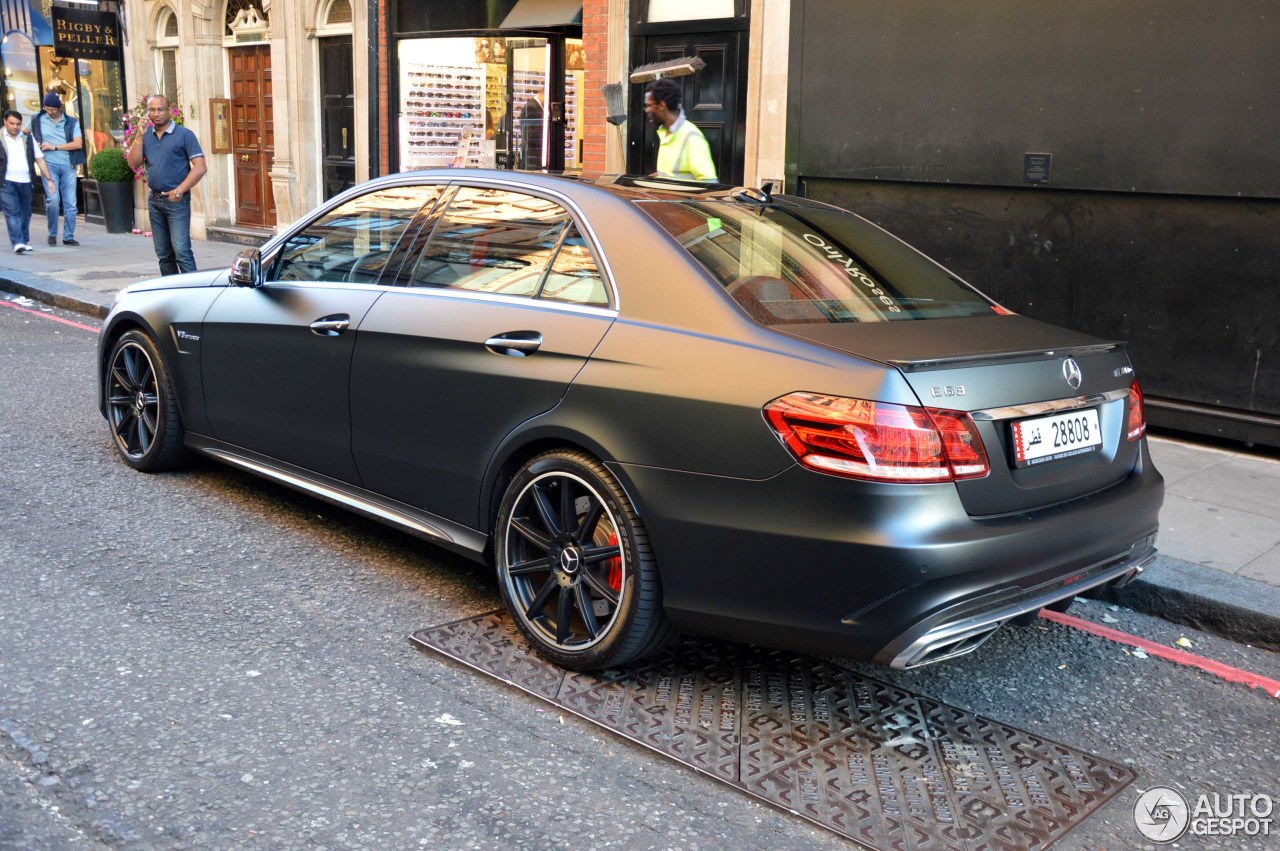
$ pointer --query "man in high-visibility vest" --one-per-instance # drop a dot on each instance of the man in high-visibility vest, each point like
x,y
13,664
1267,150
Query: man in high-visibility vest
x,y
683,152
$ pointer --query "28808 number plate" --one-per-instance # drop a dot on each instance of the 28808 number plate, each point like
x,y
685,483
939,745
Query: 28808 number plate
x,y
1059,436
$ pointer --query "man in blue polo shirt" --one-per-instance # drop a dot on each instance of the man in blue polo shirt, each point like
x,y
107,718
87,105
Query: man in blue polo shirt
x,y
62,144
175,164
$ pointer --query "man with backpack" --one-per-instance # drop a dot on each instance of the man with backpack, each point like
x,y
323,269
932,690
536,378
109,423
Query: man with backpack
x,y
62,143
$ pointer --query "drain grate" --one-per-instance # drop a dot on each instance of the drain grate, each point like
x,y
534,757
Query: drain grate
x,y
882,766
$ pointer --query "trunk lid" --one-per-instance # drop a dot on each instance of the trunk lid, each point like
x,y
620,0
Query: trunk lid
x,y
1007,370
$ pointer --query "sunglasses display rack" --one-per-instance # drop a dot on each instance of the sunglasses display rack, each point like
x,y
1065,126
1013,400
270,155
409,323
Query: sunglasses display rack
x,y
440,106
571,158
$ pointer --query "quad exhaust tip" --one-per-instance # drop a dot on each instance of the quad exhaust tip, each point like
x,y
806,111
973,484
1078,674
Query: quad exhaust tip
x,y
965,635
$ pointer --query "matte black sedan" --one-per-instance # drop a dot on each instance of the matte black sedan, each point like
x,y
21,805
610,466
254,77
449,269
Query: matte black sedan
x,y
654,408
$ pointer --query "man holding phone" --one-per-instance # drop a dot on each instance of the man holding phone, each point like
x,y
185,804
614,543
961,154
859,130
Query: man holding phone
x,y
175,163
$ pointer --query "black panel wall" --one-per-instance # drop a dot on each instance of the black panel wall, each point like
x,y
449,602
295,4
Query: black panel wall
x,y
1160,220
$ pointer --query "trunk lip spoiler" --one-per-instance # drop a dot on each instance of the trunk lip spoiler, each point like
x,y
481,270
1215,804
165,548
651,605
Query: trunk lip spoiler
x,y
988,358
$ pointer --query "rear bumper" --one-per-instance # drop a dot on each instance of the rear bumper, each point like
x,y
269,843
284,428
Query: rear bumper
x,y
890,573
963,628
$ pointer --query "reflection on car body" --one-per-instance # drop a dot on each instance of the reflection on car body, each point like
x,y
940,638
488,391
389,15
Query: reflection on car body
x,y
652,408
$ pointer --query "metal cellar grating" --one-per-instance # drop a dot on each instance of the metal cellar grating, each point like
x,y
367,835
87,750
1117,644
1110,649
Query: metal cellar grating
x,y
879,765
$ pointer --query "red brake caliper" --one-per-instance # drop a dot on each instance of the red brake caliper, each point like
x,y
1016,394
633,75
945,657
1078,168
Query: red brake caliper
x,y
615,565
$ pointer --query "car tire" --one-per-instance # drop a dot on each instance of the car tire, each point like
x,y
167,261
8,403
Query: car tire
x,y
141,406
575,566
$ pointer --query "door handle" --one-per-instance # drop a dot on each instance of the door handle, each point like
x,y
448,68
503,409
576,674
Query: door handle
x,y
244,158
516,344
330,326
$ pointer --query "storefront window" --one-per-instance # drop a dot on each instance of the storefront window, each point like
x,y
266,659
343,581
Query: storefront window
x,y
530,71
99,104
443,98
485,102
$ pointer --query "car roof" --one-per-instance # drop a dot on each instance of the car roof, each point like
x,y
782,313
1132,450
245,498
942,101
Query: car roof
x,y
633,188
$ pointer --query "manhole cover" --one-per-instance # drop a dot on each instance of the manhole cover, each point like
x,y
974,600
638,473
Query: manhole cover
x,y
882,766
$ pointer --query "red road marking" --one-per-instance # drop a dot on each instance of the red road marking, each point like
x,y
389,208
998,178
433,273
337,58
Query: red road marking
x,y
1181,657
51,316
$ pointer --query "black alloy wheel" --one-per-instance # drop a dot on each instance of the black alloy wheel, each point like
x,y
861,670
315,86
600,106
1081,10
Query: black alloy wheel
x,y
141,407
575,567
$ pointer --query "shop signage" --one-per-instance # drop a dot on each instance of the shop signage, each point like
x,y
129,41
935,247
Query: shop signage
x,y
85,34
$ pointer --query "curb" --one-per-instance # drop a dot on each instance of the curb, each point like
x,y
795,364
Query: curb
x,y
56,293
1234,607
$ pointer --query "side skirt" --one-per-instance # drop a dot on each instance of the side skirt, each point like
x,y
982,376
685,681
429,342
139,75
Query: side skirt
x,y
445,533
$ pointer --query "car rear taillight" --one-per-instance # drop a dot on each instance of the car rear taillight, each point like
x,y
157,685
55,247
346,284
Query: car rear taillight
x,y
876,440
1137,413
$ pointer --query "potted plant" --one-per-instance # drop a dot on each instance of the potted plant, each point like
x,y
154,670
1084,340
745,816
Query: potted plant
x,y
115,188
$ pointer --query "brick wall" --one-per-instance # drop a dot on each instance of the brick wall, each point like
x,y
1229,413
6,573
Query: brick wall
x,y
595,40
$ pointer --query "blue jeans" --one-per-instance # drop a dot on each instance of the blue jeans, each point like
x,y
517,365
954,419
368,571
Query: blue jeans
x,y
16,200
65,177
171,233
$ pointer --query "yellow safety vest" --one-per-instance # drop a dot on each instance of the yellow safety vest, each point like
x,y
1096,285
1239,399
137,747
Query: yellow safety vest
x,y
683,153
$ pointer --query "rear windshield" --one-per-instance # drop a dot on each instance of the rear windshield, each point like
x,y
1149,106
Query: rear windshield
x,y
793,265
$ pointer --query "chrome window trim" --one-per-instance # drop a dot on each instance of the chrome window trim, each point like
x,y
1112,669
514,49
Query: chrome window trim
x,y
446,292
1037,408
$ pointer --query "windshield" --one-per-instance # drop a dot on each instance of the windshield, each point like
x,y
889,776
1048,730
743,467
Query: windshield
x,y
791,265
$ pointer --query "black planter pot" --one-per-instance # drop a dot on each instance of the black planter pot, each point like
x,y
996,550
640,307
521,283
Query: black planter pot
x,y
117,205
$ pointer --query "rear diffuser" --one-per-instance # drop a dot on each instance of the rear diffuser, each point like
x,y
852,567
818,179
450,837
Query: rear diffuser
x,y
882,766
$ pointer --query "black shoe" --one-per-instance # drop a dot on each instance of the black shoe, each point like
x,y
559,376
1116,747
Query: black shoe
x,y
53,240
69,242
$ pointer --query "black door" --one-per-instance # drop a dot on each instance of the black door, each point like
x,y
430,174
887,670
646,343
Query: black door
x,y
714,99
449,364
338,112
278,378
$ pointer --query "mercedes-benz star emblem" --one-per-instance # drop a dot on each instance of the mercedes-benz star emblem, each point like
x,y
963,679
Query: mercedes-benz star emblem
x,y
1071,372
569,560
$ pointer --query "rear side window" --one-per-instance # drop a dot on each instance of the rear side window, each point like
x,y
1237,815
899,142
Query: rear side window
x,y
793,265
351,243
574,278
494,241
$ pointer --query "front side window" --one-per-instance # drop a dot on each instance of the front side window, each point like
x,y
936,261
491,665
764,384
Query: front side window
x,y
790,265
352,243
494,241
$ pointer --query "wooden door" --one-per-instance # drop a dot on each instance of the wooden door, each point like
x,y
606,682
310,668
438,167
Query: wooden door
x,y
252,135
714,99
337,115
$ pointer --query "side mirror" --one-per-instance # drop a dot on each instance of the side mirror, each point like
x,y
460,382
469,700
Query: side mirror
x,y
246,269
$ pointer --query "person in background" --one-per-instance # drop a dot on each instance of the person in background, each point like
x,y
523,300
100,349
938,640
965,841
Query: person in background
x,y
175,164
19,160
60,140
683,152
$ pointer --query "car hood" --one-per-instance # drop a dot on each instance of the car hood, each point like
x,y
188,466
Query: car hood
x,y
215,278
944,343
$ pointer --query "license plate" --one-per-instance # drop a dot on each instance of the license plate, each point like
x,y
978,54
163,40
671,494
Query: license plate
x,y
1059,436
